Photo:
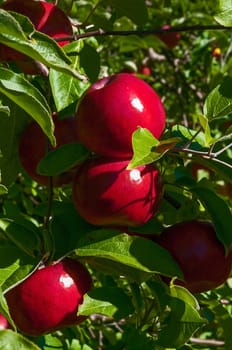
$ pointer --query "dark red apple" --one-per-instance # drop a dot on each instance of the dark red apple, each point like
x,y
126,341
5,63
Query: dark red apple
x,y
49,298
170,39
47,18
33,145
106,193
201,256
112,109
4,324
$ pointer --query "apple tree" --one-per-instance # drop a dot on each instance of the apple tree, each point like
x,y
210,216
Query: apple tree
x,y
115,164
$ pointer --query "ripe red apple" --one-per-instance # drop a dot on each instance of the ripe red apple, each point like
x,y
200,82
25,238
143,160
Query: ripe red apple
x,y
106,193
170,39
33,145
201,256
47,18
49,298
112,109
4,324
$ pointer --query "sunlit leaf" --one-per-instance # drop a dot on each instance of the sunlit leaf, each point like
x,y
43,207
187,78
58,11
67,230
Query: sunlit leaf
x,y
209,140
66,89
132,251
142,142
219,101
3,190
10,340
224,18
34,44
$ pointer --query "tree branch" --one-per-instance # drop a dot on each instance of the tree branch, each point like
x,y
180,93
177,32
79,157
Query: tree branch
x,y
101,32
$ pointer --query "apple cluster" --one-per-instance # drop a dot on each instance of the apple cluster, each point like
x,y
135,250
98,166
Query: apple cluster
x,y
105,191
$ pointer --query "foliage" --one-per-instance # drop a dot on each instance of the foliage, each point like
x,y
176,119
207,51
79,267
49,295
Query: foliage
x,y
130,307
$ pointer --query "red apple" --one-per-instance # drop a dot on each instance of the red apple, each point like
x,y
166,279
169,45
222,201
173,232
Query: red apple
x,y
4,324
106,193
112,109
47,18
145,70
216,52
170,39
201,256
49,298
33,145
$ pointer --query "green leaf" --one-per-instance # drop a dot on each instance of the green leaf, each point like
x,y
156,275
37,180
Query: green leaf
x,y
109,301
225,5
142,142
4,109
182,321
51,341
66,89
209,140
9,27
225,322
224,18
25,95
3,190
10,130
14,265
183,294
147,149
32,43
136,11
62,159
10,340
132,251
219,211
219,101
90,61
186,134
23,234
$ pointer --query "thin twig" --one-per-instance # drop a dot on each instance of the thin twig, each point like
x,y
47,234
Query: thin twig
x,y
205,155
210,342
223,150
